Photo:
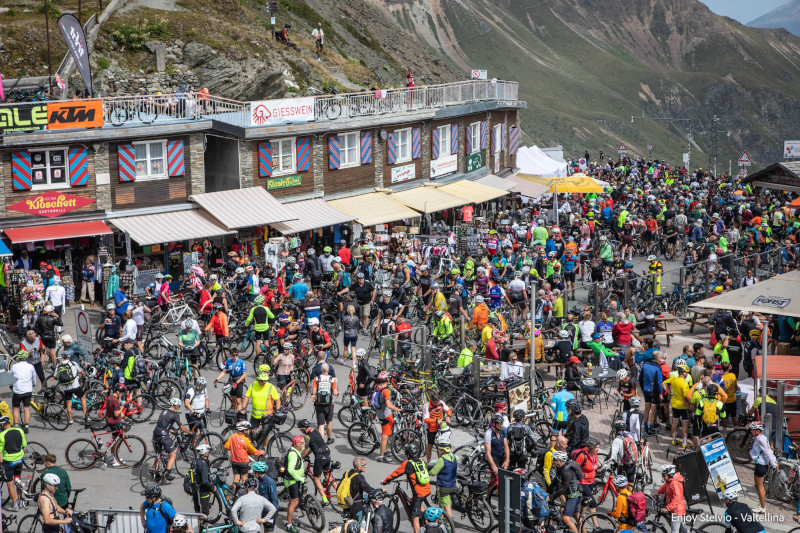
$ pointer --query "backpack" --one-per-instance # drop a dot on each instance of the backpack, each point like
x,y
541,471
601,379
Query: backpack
x,y
283,466
710,415
378,400
139,364
534,500
64,374
637,507
273,467
516,440
190,482
324,390
630,453
164,514
421,471
343,495
345,279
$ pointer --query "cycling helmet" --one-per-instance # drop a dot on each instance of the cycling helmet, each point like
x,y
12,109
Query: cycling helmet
x,y
497,418
262,376
201,382
4,420
291,260
23,354
756,425
327,249
260,467
730,494
455,271
622,374
376,495
526,270
353,527
651,258
620,480
213,277
311,251
287,346
387,294
111,306
564,334
434,286
560,384
518,274
712,389
49,308
263,367
383,375
684,368
635,401
243,425
628,265
149,492
439,314
432,514
250,484
499,406
174,401
444,445
159,276
313,321
668,470
203,449
410,450
239,270
304,423
180,521
481,270
361,352
619,425
188,323
560,456
616,253
519,414
54,480
119,387
258,300
479,299
218,307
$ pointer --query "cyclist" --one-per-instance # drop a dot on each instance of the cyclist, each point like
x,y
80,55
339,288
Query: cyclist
x,y
495,442
621,510
237,373
323,388
432,525
382,518
521,439
219,323
680,409
623,450
319,337
577,426
195,399
48,506
181,525
763,457
25,375
672,488
266,486
442,330
419,479
203,484
315,442
241,449
252,511
433,412
445,470
382,403
626,387
738,515
353,499
559,405
710,410
189,341
266,400
285,363
69,376
161,436
12,450
260,316
364,376
61,494
569,473
294,478
154,512
438,302
633,419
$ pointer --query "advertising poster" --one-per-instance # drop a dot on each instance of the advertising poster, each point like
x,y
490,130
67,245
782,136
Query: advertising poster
x,y
519,397
404,173
720,467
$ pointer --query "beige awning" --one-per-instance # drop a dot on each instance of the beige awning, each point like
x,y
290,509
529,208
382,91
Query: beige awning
x,y
497,182
312,214
170,227
243,208
777,296
427,199
528,188
472,191
373,208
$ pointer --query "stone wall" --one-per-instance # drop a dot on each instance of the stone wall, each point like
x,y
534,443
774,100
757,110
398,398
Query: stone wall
x,y
197,166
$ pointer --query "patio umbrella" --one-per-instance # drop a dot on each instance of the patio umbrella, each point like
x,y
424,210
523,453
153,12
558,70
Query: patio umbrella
x,y
577,183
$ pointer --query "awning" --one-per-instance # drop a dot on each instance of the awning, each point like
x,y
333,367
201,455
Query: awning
x,y
472,191
497,182
427,199
776,296
4,251
312,214
577,183
373,208
243,208
528,188
779,367
58,231
171,227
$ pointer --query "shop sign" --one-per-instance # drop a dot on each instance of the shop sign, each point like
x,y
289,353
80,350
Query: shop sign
x,y
404,173
283,111
283,182
446,164
51,204
720,467
75,114
474,161
23,117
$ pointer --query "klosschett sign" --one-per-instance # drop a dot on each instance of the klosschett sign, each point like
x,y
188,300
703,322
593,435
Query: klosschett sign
x,y
51,204
285,111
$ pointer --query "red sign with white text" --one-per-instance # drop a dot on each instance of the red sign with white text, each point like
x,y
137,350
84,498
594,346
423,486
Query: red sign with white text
x,y
51,204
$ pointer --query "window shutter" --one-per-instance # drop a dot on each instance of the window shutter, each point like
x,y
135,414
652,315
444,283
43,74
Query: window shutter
x,y
126,157
175,164
513,140
483,135
21,171
303,154
504,143
366,147
78,167
416,144
454,139
265,159
435,143
468,138
334,152
391,148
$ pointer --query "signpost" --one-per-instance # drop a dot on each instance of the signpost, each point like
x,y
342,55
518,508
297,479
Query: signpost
x,y
622,151
695,476
650,151
510,488
478,74
744,161
83,329
474,161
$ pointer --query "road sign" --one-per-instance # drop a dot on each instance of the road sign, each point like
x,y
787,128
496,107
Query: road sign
x,y
791,149
622,148
272,20
649,147
744,159
509,500
83,328
478,74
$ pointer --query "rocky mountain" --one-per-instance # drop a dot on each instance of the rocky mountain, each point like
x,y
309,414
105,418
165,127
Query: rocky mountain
x,y
784,16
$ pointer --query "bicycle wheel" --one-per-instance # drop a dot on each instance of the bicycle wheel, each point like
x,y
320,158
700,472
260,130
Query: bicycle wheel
x,y
164,390
31,523
82,454
218,420
313,509
130,451
216,509
543,429
216,442
480,515
56,416
362,438
279,444
151,472
291,420
712,527
657,527
400,439
395,506
34,457
333,351
347,415
597,522
739,442
141,407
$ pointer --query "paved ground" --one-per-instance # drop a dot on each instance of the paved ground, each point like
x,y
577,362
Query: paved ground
x,y
119,488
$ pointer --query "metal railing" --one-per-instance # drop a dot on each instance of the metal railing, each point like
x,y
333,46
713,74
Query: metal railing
x,y
127,520
156,109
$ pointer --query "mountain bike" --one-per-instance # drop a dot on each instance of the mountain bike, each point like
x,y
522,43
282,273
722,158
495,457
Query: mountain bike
x,y
470,500
363,436
129,450
400,504
50,412
308,507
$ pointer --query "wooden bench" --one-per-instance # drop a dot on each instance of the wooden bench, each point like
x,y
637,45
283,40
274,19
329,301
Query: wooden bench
x,y
696,318
665,333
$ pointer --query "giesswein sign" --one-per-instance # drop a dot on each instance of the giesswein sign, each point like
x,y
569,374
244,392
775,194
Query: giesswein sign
x,y
284,182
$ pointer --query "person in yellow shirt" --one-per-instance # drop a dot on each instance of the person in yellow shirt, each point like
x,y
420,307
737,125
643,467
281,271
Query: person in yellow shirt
x,y
729,385
621,511
438,301
680,410
693,396
265,401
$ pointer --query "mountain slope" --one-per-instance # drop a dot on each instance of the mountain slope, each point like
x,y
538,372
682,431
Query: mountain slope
x,y
785,16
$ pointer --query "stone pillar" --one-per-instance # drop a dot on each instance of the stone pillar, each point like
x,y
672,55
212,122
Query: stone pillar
x,y
462,146
487,152
377,157
102,176
319,165
3,181
425,143
197,167
246,175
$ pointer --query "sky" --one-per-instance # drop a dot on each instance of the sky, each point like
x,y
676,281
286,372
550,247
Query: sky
x,y
743,10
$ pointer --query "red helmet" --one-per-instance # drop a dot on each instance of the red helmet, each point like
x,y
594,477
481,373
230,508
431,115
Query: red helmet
x,y
297,440
383,375
499,405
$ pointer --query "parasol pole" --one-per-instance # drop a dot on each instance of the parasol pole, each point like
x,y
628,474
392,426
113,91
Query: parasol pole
x,y
764,345
555,203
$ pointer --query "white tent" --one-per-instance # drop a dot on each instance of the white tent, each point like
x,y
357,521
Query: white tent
x,y
533,162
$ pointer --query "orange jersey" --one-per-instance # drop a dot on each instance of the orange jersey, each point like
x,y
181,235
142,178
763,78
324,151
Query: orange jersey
x,y
241,448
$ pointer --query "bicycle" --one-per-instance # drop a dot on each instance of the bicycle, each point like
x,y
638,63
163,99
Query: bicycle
x,y
783,485
308,507
362,436
50,412
129,450
399,500
329,483
32,523
471,501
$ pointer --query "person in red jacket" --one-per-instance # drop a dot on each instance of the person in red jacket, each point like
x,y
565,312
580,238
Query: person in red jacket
x,y
589,462
219,323
673,488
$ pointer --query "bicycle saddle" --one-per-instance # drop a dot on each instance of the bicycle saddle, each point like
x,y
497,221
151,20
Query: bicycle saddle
x,y
695,511
78,491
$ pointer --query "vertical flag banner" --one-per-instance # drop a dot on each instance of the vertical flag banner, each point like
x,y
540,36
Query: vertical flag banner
x,y
76,42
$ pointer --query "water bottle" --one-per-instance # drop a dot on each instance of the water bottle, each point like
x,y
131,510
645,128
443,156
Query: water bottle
x,y
589,368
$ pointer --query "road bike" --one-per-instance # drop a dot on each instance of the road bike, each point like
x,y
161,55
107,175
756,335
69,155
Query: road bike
x,y
363,436
400,504
129,450
783,482
308,507
329,483
32,523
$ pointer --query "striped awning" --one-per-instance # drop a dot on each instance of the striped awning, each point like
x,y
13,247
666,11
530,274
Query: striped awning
x,y
312,214
497,182
427,199
473,192
243,208
373,208
170,227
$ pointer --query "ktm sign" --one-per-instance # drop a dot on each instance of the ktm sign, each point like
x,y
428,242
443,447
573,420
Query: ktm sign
x,y
74,114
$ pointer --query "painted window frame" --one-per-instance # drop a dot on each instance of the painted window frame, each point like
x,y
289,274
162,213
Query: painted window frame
x,y
48,185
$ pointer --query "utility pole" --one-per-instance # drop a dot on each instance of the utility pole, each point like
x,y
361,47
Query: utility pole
x,y
712,158
49,57
671,120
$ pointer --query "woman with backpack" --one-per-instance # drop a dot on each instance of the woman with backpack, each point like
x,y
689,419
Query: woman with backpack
x,y
589,462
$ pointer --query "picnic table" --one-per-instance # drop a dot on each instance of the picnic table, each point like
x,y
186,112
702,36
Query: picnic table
x,y
700,318
662,324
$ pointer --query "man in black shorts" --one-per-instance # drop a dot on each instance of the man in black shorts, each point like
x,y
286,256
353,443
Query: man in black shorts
x,y
161,437
12,446
322,454
237,373
365,295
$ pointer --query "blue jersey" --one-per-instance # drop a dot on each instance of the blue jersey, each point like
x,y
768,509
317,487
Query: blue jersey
x,y
495,296
120,299
559,405
570,262
154,519
298,291
235,369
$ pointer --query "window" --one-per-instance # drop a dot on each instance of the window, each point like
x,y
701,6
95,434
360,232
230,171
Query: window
x,y
350,145
150,160
403,145
283,156
49,169
444,140
475,136
498,138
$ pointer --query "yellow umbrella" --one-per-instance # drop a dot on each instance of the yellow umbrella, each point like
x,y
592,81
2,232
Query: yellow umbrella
x,y
577,183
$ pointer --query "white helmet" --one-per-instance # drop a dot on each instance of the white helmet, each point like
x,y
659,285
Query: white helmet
x,y
622,374
179,520
203,449
668,470
66,338
730,494
361,352
51,479
651,257
478,299
56,280
239,270
560,456
481,270
313,321
175,401
564,334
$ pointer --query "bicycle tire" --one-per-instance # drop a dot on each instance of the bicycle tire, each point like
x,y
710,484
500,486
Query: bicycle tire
x,y
56,416
401,438
144,406
127,451
543,429
480,515
34,457
604,523
31,523
82,454
395,507
314,513
247,348
151,472
657,527
362,438
279,444
165,389
712,527
739,442
463,454
117,116
216,442
216,508
218,420
291,420
347,417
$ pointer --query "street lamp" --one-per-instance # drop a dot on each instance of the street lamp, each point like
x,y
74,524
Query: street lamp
x,y
670,119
